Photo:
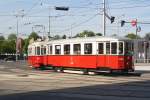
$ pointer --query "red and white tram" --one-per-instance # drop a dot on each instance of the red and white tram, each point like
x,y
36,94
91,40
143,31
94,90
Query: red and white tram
x,y
90,53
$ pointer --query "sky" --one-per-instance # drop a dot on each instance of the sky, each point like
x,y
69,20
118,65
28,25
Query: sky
x,y
82,15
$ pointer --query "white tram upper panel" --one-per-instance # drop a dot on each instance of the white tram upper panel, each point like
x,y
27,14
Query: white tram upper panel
x,y
87,39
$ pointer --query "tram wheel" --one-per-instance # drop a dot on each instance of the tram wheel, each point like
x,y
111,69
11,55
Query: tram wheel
x,y
85,71
61,69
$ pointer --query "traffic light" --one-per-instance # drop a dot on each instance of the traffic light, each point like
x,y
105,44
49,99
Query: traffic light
x,y
122,23
62,8
112,19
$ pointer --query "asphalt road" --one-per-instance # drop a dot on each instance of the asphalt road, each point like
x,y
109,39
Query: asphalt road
x,y
19,82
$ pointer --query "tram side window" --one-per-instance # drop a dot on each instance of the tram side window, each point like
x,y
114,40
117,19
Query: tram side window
x,y
107,48
30,51
100,48
38,50
58,49
77,49
120,47
44,50
114,48
50,49
88,48
67,49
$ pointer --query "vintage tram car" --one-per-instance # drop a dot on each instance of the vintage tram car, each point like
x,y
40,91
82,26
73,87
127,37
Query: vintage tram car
x,y
88,53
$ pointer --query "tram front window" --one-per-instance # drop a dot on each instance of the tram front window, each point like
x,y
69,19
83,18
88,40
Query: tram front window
x,y
129,48
114,48
38,51
120,47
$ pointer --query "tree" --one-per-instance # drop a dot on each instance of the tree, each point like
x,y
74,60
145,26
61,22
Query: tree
x,y
85,33
25,47
147,36
12,36
64,37
132,36
56,37
98,34
34,35
2,38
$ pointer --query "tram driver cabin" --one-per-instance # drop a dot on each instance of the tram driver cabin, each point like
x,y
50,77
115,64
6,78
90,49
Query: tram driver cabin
x,y
90,53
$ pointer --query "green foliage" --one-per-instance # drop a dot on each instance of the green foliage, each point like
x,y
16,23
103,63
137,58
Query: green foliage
x,y
64,37
56,37
132,36
12,36
2,38
8,47
99,34
33,35
25,47
86,33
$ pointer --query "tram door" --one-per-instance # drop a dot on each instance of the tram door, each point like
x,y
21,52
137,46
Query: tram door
x,y
107,56
103,58
44,53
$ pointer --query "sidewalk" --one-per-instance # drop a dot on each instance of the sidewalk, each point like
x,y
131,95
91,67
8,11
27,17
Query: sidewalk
x,y
142,64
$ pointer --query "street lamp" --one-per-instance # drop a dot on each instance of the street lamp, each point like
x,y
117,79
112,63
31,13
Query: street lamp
x,y
18,14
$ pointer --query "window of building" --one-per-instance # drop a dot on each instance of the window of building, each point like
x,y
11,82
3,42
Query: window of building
x,y
77,49
88,48
58,49
120,47
107,48
38,50
114,48
67,49
100,48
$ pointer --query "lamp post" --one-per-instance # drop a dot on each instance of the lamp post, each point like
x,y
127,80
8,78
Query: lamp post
x,y
19,14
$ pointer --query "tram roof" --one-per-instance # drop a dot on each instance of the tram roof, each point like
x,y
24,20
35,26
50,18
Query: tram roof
x,y
37,43
89,39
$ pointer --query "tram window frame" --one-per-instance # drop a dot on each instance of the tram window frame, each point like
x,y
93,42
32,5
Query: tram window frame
x,y
44,50
101,49
59,49
77,51
38,49
35,50
67,49
50,49
108,47
128,48
88,48
114,48
121,49
29,51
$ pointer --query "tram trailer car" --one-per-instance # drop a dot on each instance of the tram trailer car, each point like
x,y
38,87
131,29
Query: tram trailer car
x,y
90,53
35,56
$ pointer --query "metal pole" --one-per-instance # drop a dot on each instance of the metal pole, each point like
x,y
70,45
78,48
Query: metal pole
x,y
71,31
104,19
49,33
17,41
49,26
136,31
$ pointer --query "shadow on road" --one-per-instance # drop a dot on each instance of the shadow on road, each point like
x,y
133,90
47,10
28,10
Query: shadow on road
x,y
139,90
